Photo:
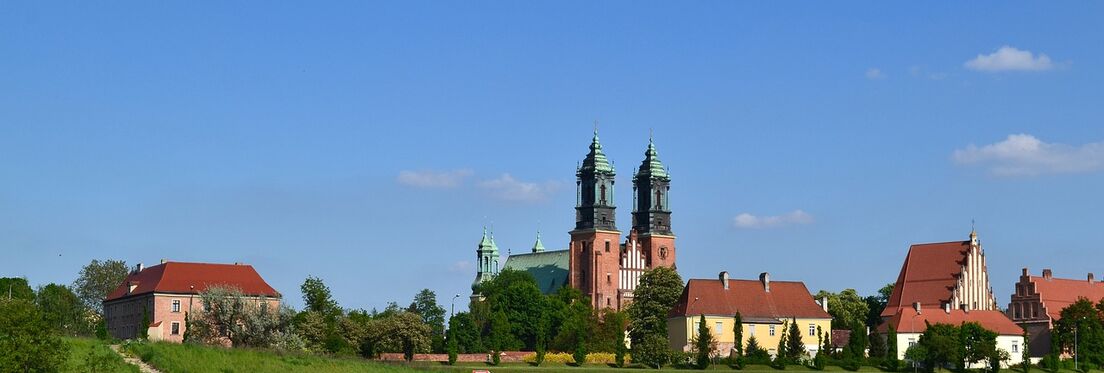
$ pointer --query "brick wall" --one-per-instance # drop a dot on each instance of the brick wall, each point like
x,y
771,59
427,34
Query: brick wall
x,y
507,356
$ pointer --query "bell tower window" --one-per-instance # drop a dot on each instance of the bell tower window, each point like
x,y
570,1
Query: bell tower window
x,y
602,199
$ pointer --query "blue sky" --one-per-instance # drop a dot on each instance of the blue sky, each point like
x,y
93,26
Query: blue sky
x,y
368,143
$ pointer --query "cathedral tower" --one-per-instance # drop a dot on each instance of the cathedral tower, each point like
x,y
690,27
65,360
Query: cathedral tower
x,y
595,250
652,211
486,255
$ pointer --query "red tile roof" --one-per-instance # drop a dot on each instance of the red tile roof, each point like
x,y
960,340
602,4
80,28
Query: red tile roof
x,y
192,278
907,321
786,299
1059,293
928,276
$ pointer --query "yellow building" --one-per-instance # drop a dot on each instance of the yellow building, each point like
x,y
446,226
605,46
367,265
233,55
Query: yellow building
x,y
764,307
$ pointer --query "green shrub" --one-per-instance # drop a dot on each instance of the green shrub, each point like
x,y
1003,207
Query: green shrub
x,y
496,357
580,354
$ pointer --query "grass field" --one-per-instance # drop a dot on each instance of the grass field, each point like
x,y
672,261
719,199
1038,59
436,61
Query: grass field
x,y
174,358
79,349
549,367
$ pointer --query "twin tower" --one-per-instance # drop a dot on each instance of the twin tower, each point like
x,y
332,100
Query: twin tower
x,y
600,265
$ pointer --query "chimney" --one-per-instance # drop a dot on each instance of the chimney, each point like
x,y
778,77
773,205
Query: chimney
x,y
824,303
163,260
1047,274
765,279
1091,278
724,279
916,306
138,268
1025,272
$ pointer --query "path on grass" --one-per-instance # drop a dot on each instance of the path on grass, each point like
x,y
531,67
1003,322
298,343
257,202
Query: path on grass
x,y
145,368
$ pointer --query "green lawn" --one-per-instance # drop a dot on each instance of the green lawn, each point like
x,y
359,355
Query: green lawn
x,y
79,350
551,367
174,358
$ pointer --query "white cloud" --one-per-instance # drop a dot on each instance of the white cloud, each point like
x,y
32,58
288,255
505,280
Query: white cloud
x,y
507,188
875,74
749,221
433,179
1010,59
1025,155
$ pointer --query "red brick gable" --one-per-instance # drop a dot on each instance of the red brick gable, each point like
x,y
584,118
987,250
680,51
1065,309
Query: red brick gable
x,y
786,299
907,321
928,276
1059,293
193,278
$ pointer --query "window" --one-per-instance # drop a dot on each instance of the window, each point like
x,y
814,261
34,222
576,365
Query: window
x,y
751,330
176,305
1015,347
607,299
1016,311
175,328
607,246
1034,310
812,330
770,330
697,325
718,329
912,342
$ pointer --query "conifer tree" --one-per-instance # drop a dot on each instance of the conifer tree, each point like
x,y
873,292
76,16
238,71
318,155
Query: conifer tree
x,y
892,362
1026,353
782,352
738,334
703,344
794,346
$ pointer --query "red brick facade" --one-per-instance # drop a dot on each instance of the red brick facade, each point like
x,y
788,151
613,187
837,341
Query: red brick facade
x,y
595,266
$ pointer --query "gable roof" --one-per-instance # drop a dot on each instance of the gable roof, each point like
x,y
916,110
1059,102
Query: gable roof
x,y
193,278
786,299
549,268
1059,293
906,320
928,275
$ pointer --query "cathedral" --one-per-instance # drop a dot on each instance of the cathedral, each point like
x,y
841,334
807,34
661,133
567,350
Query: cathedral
x,y
597,262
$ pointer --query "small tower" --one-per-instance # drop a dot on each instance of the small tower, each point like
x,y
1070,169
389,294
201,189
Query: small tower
x,y
538,247
595,250
652,210
486,255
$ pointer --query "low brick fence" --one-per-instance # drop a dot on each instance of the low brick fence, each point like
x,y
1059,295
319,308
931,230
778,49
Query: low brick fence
x,y
506,356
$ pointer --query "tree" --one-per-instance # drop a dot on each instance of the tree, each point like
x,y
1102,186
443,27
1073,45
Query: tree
x,y
466,334
425,305
846,308
499,336
16,288
892,361
62,310
738,334
228,315
940,345
703,344
1083,319
28,344
619,353
877,345
580,354
795,348
317,298
97,280
976,343
755,353
1026,352
659,289
403,332
821,358
651,351
610,330
877,303
782,354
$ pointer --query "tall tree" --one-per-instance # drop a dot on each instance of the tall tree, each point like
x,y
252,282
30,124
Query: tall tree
x,y
317,297
939,345
659,289
877,345
892,360
738,334
425,305
16,288
976,343
846,308
877,303
703,344
1083,319
97,280
28,344
782,353
62,310
467,335
795,348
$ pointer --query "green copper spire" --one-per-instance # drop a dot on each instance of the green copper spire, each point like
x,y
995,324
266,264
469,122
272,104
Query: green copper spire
x,y
538,247
652,167
486,256
596,160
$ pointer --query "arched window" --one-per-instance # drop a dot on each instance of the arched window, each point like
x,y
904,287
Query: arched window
x,y
659,200
602,200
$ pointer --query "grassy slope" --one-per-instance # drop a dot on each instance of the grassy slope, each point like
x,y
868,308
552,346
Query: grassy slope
x,y
173,358
78,353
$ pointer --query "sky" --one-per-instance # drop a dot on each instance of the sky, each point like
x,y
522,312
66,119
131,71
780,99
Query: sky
x,y
369,143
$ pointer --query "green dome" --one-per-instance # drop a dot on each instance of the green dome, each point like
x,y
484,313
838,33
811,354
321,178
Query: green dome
x,y
596,160
652,167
